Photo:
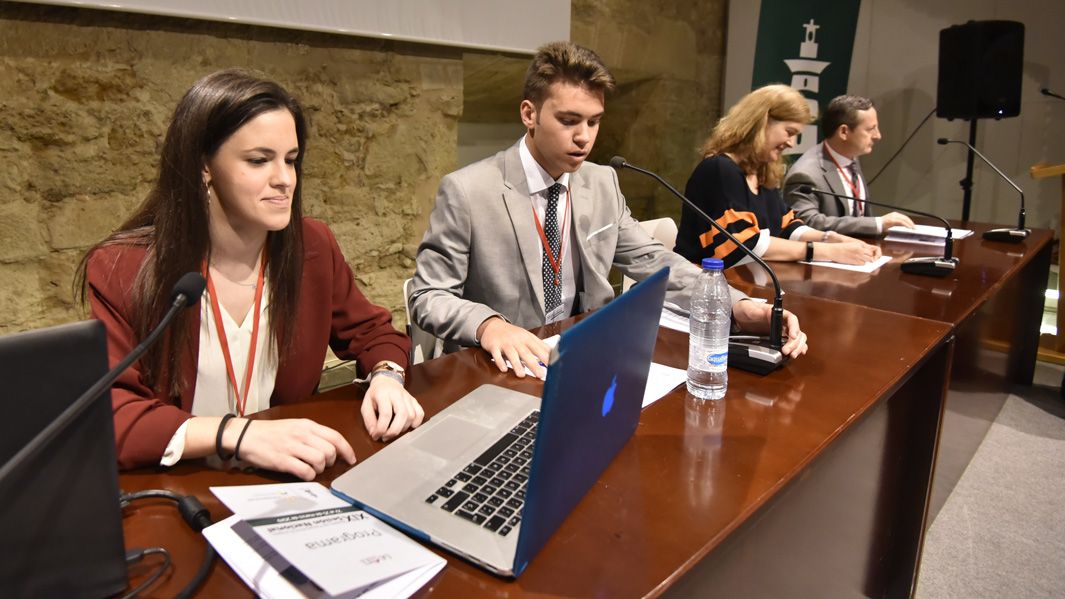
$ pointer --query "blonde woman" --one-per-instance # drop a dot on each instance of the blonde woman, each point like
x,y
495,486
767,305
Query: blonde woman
x,y
738,185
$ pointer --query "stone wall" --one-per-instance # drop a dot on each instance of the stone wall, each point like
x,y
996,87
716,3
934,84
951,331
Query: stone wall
x,y
85,98
668,58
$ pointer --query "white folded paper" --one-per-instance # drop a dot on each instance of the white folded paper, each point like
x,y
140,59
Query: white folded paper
x,y
924,234
300,540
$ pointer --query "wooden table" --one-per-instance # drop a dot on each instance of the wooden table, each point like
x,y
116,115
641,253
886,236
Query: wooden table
x,y
810,481
993,301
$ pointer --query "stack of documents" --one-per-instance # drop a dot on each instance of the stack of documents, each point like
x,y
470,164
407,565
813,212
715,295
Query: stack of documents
x,y
924,234
298,540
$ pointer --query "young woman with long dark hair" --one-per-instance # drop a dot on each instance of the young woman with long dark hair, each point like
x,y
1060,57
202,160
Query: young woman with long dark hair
x,y
227,203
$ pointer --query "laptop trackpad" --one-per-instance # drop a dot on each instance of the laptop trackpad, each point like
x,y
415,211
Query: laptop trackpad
x,y
451,437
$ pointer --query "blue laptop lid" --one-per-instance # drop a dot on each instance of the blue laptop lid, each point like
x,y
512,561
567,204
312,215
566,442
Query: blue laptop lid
x,y
591,406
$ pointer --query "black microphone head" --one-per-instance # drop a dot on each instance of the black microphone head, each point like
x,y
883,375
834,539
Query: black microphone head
x,y
942,141
1045,91
806,189
618,162
190,285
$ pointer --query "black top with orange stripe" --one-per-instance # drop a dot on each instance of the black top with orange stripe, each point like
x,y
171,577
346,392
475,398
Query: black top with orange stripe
x,y
719,187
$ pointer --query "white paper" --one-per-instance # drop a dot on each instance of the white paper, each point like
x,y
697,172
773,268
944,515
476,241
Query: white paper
x,y
660,381
264,501
266,581
341,549
337,565
867,267
675,322
924,234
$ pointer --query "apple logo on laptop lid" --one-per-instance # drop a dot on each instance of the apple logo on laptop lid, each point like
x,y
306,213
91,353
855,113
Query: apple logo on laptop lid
x,y
608,397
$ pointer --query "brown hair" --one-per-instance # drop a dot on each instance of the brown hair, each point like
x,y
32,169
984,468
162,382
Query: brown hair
x,y
172,222
568,62
843,110
741,132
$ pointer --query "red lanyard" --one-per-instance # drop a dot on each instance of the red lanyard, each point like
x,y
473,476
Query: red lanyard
x,y
855,189
242,400
556,262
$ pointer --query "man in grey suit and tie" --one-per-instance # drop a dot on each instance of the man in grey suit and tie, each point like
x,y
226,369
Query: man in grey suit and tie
x,y
528,236
850,128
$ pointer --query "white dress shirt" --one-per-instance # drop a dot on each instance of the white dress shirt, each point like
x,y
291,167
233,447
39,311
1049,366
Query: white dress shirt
x,y
843,163
211,377
539,181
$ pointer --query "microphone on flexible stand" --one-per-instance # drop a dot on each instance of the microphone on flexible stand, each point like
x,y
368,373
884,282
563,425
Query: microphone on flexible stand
x,y
1007,235
935,266
186,293
1047,92
753,354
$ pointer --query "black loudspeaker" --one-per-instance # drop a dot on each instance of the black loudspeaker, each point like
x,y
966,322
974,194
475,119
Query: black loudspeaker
x,y
980,66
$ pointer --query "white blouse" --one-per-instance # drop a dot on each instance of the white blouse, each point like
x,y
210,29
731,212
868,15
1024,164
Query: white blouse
x,y
214,396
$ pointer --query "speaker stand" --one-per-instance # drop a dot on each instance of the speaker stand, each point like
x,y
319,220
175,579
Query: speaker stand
x,y
967,182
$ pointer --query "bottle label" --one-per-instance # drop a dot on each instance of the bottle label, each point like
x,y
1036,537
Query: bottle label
x,y
717,362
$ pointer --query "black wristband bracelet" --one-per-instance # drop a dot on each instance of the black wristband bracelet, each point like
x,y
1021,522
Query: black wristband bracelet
x,y
236,450
809,251
218,438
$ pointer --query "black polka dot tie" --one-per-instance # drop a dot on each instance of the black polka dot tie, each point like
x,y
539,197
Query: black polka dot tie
x,y
552,280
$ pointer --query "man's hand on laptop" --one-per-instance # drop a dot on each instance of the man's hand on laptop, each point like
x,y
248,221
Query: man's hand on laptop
x,y
508,343
892,219
754,317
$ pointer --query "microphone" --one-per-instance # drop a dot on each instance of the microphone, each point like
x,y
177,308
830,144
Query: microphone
x,y
752,354
1007,235
186,293
1047,92
936,266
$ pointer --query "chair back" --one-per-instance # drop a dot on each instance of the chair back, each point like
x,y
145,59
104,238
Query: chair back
x,y
662,229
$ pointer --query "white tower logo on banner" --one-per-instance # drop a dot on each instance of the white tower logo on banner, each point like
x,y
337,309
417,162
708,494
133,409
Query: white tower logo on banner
x,y
806,77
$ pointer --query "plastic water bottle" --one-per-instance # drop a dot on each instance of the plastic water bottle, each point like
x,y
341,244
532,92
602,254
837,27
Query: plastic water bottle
x,y
711,318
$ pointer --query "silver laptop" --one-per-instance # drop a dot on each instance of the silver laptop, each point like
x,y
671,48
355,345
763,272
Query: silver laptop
x,y
492,476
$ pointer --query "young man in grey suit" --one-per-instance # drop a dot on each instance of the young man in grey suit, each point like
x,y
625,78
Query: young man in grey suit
x,y
850,128
528,236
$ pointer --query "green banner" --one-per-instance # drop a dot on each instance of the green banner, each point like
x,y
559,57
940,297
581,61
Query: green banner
x,y
806,44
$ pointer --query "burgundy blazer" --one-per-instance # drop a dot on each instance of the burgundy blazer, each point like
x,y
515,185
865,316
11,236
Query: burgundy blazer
x,y
330,310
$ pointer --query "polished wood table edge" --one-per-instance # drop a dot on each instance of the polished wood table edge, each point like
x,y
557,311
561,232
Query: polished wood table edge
x,y
926,517
942,339
943,342
1036,243
341,399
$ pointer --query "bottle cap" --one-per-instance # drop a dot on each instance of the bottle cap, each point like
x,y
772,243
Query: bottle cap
x,y
713,264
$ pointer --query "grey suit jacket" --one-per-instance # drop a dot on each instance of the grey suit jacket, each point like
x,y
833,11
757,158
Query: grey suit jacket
x,y
481,255
826,213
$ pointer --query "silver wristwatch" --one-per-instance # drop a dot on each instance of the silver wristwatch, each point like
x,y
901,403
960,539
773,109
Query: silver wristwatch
x,y
389,369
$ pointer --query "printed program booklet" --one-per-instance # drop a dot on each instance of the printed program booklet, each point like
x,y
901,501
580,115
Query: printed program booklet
x,y
298,539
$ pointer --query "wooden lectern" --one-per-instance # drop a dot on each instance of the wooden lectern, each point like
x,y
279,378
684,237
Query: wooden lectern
x,y
1040,171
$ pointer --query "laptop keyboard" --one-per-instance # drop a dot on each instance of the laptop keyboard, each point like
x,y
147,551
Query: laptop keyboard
x,y
490,491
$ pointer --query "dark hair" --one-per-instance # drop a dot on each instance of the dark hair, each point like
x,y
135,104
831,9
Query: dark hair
x,y
565,61
843,110
172,222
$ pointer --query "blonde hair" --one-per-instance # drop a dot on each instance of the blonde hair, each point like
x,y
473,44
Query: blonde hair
x,y
741,132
